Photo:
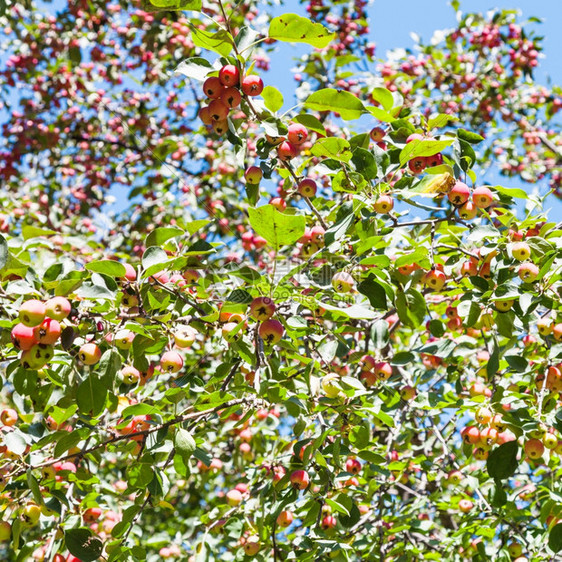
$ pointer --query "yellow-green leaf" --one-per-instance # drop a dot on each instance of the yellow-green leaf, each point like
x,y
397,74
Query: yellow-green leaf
x,y
293,28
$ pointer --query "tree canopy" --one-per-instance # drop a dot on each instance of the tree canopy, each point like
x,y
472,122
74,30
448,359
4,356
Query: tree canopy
x,y
241,319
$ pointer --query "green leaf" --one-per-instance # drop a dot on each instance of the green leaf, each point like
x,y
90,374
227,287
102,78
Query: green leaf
x,y
91,395
365,163
34,231
347,105
517,363
440,348
354,513
3,252
153,256
419,256
381,114
311,123
277,228
139,410
194,226
83,544
379,333
465,154
352,182
511,192
403,358
440,120
354,311
469,136
332,147
66,442
140,474
160,235
417,148
184,443
253,193
338,230
337,506
15,442
202,456
371,457
108,366
360,436
34,487
500,497
195,67
107,267
245,39
374,292
436,328
411,308
384,97
272,98
494,361
502,462
555,538
220,42
293,28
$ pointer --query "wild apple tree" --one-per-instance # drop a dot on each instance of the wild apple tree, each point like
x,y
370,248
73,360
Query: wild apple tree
x,y
237,324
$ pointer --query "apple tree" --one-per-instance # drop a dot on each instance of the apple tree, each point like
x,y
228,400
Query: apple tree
x,y
237,325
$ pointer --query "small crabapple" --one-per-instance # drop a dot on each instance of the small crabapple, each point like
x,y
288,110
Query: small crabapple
x,y
271,331
299,479
343,282
528,272
384,204
23,337
286,151
307,188
297,133
435,279
377,134
229,75
467,211
252,85
171,362
482,197
262,308
253,175
459,194
58,308
89,354
32,313
213,87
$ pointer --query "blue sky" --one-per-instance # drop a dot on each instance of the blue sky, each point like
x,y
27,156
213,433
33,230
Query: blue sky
x,y
390,30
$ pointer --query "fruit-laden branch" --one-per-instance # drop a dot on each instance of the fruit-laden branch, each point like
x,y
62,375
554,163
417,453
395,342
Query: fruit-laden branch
x,y
178,419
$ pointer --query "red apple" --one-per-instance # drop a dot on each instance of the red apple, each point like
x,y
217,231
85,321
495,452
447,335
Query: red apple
x,y
300,479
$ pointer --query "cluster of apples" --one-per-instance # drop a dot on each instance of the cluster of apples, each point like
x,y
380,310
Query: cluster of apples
x,y
433,279
261,309
468,202
39,329
527,271
223,92
417,164
492,430
311,241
